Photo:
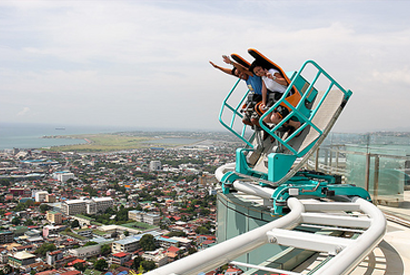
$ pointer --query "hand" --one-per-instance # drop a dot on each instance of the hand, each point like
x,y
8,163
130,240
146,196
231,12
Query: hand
x,y
213,64
263,107
226,59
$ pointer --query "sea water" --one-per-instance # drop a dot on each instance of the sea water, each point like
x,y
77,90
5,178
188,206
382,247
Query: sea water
x,y
14,135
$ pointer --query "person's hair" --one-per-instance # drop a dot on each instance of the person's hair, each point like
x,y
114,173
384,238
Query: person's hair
x,y
233,70
255,64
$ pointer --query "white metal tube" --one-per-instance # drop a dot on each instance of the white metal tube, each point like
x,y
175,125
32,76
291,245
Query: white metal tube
x,y
351,256
252,189
223,169
258,267
229,250
306,241
325,219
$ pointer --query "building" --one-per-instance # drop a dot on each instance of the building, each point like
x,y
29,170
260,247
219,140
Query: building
x,y
89,206
156,256
51,198
54,256
87,252
103,204
73,207
128,245
41,196
21,259
120,258
4,257
155,165
141,216
86,232
33,236
51,231
6,237
63,176
54,217
19,191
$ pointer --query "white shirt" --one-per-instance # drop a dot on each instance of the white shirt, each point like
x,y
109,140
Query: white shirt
x,y
272,85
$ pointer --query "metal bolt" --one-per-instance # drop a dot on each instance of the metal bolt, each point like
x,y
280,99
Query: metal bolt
x,y
272,240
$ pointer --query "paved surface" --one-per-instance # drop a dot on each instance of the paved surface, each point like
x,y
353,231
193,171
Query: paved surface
x,y
390,257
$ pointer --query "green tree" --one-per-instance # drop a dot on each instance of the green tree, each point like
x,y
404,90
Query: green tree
x,y
80,267
4,182
101,264
44,248
147,242
202,230
23,206
105,249
16,221
137,262
176,233
44,208
148,265
75,224
28,222
90,190
192,250
90,243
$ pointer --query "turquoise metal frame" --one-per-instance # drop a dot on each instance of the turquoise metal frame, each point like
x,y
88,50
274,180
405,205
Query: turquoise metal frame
x,y
304,115
235,113
302,183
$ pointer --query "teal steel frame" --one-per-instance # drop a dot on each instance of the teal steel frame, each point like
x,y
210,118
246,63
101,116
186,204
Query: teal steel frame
x,y
301,183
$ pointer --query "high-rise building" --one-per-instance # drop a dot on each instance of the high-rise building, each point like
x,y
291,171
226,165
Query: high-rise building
x,y
41,196
89,206
54,217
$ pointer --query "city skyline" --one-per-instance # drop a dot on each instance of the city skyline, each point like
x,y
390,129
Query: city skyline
x,y
145,63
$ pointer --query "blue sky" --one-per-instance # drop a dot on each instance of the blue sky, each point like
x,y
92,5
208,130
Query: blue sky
x,y
145,63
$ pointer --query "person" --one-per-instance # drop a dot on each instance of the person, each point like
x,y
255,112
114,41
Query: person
x,y
273,83
254,84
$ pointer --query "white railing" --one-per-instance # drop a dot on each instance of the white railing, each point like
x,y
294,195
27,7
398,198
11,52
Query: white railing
x,y
344,254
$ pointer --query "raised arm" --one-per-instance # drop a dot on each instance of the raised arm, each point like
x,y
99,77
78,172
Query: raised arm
x,y
238,66
222,69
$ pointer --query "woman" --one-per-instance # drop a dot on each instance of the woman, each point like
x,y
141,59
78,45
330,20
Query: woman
x,y
272,82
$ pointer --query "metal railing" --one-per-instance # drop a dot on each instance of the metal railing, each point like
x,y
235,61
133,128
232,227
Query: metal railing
x,y
343,254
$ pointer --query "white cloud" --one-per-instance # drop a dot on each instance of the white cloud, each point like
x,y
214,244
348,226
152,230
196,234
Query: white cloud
x,y
145,63
24,111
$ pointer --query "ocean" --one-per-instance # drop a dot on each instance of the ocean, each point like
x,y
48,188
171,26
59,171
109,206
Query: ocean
x,y
14,135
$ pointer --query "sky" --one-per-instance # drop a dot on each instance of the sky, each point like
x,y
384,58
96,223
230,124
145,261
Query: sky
x,y
145,64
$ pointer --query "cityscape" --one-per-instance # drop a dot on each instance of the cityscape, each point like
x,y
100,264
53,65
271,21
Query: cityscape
x,y
93,213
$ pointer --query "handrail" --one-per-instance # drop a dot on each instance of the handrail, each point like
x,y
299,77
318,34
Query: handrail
x,y
344,254
231,249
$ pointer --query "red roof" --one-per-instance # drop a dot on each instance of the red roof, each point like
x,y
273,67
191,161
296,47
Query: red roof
x,y
208,242
120,254
75,272
76,261
173,249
